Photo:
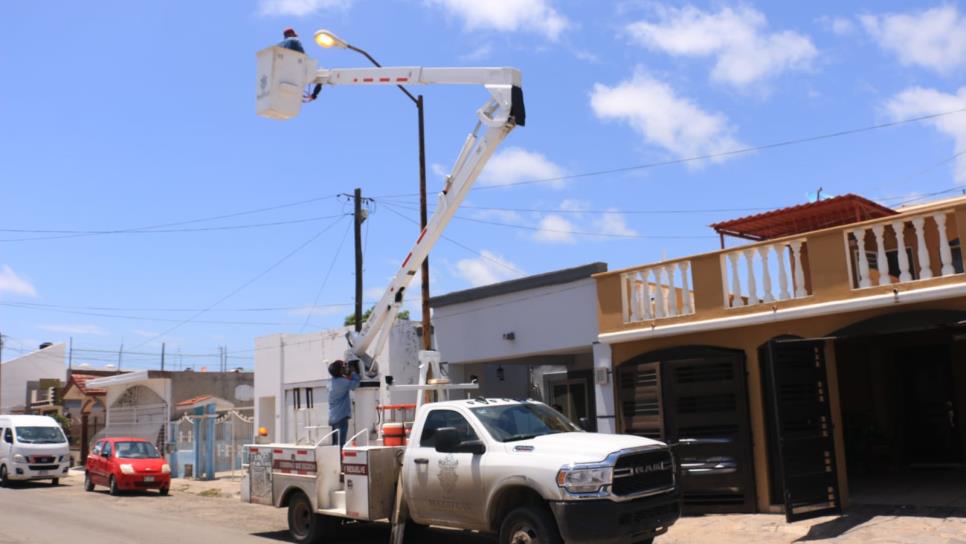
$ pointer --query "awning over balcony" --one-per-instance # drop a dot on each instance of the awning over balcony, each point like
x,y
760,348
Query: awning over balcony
x,y
830,212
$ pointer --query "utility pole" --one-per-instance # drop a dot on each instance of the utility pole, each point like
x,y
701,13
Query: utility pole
x,y
162,356
120,356
358,218
1,372
427,326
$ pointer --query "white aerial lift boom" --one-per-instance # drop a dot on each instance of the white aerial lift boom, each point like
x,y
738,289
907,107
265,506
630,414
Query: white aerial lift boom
x,y
283,74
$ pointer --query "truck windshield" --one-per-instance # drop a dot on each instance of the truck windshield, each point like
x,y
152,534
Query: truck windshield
x,y
136,450
511,422
40,435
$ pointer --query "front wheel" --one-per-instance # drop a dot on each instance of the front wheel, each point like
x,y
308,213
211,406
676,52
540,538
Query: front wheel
x,y
112,486
304,524
4,480
88,483
163,492
55,482
529,525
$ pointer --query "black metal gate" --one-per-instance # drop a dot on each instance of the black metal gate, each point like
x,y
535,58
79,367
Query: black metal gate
x,y
695,398
801,423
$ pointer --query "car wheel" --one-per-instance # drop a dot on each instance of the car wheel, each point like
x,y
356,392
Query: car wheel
x,y
55,482
163,491
88,483
529,525
304,524
4,481
112,485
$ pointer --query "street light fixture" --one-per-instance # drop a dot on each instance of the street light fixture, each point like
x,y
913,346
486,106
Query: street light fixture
x,y
327,39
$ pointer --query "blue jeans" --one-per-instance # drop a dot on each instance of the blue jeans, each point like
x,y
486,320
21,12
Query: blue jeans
x,y
343,428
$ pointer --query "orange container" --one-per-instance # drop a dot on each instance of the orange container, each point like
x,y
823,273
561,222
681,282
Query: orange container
x,y
393,434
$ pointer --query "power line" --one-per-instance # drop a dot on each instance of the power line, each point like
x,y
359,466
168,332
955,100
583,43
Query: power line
x,y
581,233
173,224
325,280
233,292
710,156
149,309
23,306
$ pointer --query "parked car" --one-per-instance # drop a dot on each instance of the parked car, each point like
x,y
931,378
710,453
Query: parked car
x,y
32,448
125,464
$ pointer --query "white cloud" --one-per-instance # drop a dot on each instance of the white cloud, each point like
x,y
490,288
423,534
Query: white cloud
x,y
555,229
145,333
841,26
300,8
317,310
613,222
739,40
439,170
486,269
918,101
11,283
507,15
503,216
934,38
652,108
478,54
78,329
516,164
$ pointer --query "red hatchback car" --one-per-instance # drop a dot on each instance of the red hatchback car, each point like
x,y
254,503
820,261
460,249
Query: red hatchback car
x,y
126,464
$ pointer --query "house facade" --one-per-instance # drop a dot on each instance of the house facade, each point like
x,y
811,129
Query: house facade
x,y
22,376
533,337
822,363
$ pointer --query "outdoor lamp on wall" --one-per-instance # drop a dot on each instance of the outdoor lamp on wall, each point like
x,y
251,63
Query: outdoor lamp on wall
x,y
500,373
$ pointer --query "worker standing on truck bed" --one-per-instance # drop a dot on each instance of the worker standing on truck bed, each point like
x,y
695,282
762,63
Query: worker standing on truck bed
x,y
340,409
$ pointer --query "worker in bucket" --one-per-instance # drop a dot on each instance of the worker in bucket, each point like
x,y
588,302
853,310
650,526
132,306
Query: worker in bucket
x,y
340,407
290,40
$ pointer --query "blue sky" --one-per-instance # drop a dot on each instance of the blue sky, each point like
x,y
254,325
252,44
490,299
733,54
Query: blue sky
x,y
120,115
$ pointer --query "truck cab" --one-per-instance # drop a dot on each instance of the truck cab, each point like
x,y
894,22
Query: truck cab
x,y
520,468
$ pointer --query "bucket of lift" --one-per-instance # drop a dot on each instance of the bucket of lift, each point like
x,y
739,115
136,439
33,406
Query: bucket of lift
x,y
282,75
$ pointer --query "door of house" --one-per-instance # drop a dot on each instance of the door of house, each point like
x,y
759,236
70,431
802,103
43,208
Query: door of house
x,y
695,399
931,425
801,423
572,394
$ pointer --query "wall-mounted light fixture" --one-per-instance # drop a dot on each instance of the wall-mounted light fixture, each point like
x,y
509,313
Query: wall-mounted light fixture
x,y
509,336
500,373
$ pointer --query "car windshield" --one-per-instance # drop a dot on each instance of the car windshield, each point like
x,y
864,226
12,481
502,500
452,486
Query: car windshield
x,y
136,450
511,422
40,435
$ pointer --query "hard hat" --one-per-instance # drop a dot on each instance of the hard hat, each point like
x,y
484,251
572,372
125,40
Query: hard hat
x,y
289,33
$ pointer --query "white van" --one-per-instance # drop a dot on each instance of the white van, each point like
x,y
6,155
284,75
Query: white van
x,y
32,448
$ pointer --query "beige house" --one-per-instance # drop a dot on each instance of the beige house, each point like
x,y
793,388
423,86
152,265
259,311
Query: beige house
x,y
822,362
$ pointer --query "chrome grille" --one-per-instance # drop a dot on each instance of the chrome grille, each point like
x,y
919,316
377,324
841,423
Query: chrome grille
x,y
643,471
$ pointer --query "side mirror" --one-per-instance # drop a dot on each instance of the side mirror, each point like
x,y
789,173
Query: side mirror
x,y
448,441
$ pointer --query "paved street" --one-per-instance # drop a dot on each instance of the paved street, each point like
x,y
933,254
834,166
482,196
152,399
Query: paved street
x,y
210,512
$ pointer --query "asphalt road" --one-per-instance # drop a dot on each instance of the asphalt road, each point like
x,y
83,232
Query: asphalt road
x,y
39,513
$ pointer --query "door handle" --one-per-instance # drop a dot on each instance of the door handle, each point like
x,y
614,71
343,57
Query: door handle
x,y
421,461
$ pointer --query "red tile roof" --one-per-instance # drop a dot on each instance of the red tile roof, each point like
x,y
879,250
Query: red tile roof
x,y
80,381
830,212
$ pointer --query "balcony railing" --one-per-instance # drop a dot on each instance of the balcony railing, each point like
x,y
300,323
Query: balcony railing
x,y
750,274
657,292
904,250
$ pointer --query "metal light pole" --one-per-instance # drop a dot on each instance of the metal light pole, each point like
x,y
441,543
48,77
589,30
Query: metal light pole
x,y
327,39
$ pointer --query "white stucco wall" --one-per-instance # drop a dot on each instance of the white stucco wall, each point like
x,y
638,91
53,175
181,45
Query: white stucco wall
x,y
49,363
554,319
283,361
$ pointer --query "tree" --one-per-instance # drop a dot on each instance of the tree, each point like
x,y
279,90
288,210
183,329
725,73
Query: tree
x,y
351,318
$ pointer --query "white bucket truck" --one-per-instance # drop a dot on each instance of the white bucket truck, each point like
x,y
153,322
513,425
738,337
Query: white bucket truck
x,y
518,469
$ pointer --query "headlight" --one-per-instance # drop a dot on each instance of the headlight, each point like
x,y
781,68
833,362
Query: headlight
x,y
165,469
127,469
585,480
17,458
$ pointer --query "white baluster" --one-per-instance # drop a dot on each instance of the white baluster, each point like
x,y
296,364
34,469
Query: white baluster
x,y
661,310
628,292
899,227
797,265
736,300
864,279
752,285
763,251
782,275
672,299
685,268
646,294
925,267
945,252
881,262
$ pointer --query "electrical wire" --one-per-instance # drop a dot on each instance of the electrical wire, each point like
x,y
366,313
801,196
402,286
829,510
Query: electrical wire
x,y
325,280
141,318
235,291
148,309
